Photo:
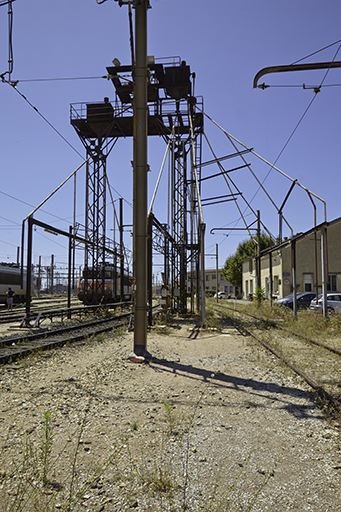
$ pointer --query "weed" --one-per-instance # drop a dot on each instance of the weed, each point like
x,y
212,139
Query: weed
x,y
163,473
118,331
45,446
170,416
259,296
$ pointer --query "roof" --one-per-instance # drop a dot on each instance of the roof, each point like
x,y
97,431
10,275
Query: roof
x,y
296,238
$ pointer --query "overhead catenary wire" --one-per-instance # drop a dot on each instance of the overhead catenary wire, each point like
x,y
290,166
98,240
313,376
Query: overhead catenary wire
x,y
43,117
272,166
51,126
317,51
228,179
30,205
60,79
316,90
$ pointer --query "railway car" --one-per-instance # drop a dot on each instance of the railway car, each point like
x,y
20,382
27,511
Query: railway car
x,y
10,277
89,288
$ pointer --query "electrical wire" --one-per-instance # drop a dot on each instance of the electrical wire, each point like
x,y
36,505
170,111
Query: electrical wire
x,y
316,90
9,220
8,243
314,53
63,79
31,205
44,118
50,239
14,85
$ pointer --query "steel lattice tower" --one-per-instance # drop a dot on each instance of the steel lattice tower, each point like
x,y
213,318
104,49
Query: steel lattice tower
x,y
93,130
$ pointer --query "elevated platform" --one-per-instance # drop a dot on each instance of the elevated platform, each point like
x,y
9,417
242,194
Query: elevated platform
x,y
102,120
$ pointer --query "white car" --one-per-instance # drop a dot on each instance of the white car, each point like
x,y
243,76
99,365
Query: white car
x,y
221,295
333,303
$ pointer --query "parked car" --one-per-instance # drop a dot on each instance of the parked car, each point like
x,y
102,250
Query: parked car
x,y
221,295
333,303
303,300
314,301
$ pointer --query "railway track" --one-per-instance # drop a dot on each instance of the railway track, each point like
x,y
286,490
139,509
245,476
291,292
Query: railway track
x,y
44,310
14,348
315,362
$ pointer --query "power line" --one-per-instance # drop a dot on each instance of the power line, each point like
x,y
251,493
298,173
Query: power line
x,y
31,205
316,90
318,51
43,117
61,79
14,85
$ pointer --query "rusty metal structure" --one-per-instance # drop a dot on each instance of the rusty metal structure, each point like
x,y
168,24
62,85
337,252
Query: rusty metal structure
x,y
94,126
171,114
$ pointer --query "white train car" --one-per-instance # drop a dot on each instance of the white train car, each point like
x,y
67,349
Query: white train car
x,y
10,277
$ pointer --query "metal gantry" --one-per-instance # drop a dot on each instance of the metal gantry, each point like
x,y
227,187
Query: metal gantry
x,y
171,113
93,126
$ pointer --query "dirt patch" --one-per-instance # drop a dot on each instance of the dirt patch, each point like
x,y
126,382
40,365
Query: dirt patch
x,y
212,421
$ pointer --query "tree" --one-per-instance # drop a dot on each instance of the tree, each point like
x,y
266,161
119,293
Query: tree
x,y
232,270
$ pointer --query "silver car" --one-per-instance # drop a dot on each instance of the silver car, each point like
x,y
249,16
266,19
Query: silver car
x,y
333,303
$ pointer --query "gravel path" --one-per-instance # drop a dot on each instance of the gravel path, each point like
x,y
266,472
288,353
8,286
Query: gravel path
x,y
213,422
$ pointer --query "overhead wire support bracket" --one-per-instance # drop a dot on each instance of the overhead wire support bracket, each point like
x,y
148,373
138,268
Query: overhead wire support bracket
x,y
228,196
227,157
248,228
316,89
6,2
292,67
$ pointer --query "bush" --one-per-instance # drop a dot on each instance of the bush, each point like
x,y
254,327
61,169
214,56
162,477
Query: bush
x,y
210,293
259,295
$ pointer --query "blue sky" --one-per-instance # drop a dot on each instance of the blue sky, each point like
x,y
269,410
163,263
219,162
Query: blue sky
x,y
225,42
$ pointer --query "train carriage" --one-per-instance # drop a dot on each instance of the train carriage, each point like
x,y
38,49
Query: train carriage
x,y
10,277
90,286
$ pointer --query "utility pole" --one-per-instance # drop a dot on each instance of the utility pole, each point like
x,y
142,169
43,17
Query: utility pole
x,y
216,268
52,265
258,260
140,179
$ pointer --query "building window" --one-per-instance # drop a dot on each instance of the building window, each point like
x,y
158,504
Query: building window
x,y
275,284
308,282
251,286
247,288
231,289
214,276
221,277
332,283
207,277
251,266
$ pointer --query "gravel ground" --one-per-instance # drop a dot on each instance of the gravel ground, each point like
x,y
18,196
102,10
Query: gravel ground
x,y
212,423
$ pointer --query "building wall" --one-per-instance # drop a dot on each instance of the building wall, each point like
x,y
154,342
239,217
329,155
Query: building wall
x,y
305,265
211,282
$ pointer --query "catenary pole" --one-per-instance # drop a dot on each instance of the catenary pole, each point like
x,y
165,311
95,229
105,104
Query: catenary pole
x,y
140,179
